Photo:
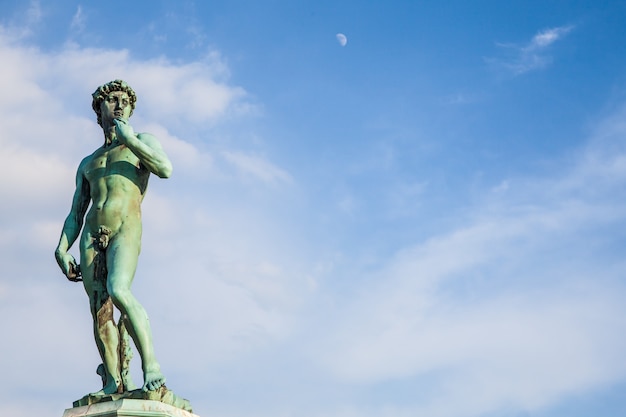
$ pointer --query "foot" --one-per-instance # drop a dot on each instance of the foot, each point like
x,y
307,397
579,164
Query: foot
x,y
153,380
113,387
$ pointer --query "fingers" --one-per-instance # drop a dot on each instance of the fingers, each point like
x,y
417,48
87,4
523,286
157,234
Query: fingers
x,y
73,271
74,277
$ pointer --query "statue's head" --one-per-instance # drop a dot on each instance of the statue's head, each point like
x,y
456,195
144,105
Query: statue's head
x,y
104,90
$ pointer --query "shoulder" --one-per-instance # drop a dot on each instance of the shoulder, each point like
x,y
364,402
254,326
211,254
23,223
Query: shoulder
x,y
82,169
86,160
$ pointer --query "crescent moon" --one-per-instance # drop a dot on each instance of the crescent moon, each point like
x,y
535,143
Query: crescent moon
x,y
342,39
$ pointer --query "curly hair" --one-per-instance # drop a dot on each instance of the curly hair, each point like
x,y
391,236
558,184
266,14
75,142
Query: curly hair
x,y
104,90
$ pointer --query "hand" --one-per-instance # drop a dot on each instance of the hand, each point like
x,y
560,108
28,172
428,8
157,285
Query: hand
x,y
68,266
123,131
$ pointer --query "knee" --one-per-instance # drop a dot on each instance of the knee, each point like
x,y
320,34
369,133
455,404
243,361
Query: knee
x,y
121,297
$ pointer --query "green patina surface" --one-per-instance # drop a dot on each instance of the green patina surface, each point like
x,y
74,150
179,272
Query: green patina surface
x,y
106,212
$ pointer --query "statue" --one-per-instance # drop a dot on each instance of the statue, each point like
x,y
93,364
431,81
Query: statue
x,y
113,179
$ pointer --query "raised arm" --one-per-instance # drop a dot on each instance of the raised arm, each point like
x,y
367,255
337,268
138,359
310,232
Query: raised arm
x,y
146,147
71,227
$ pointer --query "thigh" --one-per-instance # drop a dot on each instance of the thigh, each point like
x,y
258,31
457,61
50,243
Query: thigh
x,y
95,286
122,257
87,261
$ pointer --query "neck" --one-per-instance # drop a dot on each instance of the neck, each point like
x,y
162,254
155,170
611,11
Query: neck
x,y
109,134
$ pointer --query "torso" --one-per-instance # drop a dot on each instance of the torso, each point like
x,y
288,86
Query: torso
x,y
117,183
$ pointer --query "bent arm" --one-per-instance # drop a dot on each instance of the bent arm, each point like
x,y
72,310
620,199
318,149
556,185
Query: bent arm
x,y
146,147
151,154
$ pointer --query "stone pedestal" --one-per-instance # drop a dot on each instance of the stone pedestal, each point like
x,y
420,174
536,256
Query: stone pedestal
x,y
127,408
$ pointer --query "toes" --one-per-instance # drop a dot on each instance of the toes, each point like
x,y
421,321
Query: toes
x,y
153,384
157,383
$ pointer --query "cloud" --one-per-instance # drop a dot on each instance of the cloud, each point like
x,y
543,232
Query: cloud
x,y
40,175
458,98
532,56
197,36
225,297
547,37
79,20
167,91
517,307
23,25
257,167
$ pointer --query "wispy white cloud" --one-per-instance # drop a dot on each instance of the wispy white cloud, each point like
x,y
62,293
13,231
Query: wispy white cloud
x,y
23,25
519,306
238,295
533,55
79,20
197,37
458,98
547,37
33,13
257,167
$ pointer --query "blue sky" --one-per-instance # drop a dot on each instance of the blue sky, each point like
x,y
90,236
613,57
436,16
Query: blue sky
x,y
426,221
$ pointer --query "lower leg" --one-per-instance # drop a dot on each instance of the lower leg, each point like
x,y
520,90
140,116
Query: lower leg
x,y
107,337
126,354
138,326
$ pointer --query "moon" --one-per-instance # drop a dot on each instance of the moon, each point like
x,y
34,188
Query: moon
x,y
342,39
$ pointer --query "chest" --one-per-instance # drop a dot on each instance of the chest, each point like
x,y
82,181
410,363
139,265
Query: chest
x,y
115,160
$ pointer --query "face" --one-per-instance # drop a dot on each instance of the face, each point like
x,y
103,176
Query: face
x,y
115,105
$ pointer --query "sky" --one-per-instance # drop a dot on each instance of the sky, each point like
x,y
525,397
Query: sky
x,y
377,209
